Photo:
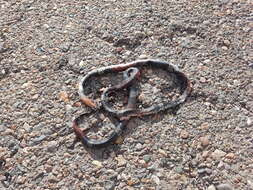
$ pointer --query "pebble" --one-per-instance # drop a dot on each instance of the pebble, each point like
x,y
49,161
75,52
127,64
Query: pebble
x,y
143,56
146,158
37,140
68,108
179,169
218,154
224,186
250,183
82,64
109,185
65,47
207,61
205,154
121,160
138,146
52,146
211,187
156,179
97,163
119,50
186,43
64,96
21,180
230,156
154,166
202,79
52,179
132,182
162,152
226,42
48,168
224,47
3,72
251,65
204,126
184,134
249,121
2,47
204,141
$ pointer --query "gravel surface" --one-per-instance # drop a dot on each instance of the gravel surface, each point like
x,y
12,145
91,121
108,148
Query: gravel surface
x,y
47,46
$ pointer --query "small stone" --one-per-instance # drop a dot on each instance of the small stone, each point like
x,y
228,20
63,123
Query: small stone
x,y
119,140
250,183
97,163
121,160
202,171
207,61
82,64
119,49
154,167
221,165
224,47
52,178
127,53
156,179
64,96
109,185
184,134
48,168
20,180
37,140
65,47
251,65
146,158
186,43
224,187
143,56
218,154
211,187
35,97
132,182
202,79
52,146
179,169
230,156
3,72
194,174
205,154
226,42
68,108
162,152
138,146
3,47
26,85
249,121
142,163
204,141
8,132
204,126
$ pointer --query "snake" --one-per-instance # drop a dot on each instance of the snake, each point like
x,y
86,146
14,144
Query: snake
x,y
131,73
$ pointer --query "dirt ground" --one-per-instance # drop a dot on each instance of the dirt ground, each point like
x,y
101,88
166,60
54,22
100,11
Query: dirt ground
x,y
47,46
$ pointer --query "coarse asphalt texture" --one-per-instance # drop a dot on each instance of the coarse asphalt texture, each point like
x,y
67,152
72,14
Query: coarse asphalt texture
x,y
47,46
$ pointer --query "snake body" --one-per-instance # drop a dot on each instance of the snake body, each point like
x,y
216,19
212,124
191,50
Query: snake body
x,y
130,73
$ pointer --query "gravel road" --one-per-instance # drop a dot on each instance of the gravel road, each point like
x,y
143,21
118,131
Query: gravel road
x,y
47,46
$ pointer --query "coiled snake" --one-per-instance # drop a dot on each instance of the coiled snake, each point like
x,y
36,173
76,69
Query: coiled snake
x,y
131,73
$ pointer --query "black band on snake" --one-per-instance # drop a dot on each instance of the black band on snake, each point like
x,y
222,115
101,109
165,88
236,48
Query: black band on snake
x,y
131,73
